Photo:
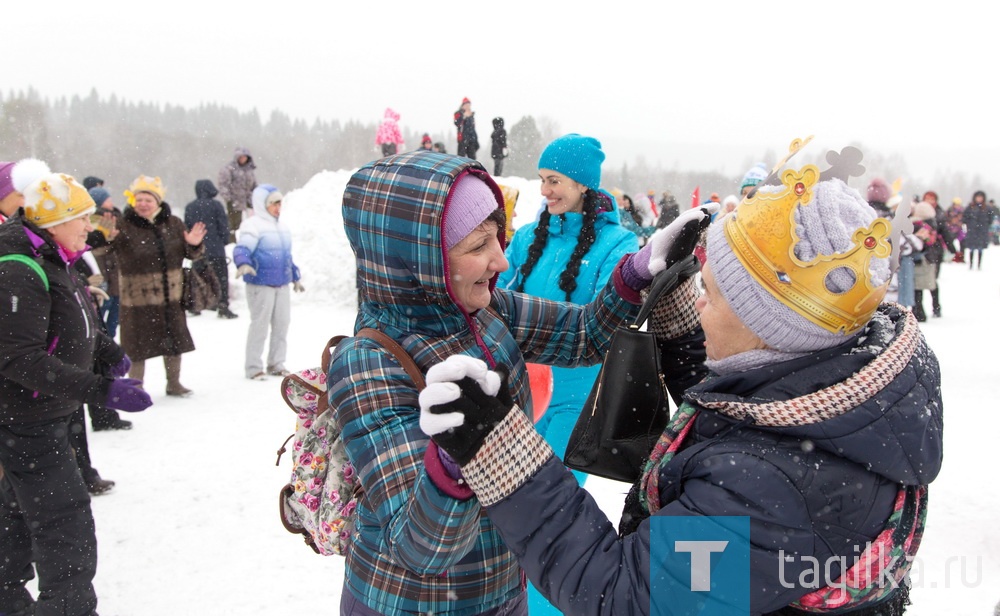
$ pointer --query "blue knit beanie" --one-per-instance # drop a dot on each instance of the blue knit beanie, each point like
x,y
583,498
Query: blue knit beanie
x,y
575,156
99,195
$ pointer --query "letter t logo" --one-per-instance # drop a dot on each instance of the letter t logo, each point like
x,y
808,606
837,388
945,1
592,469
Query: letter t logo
x,y
701,561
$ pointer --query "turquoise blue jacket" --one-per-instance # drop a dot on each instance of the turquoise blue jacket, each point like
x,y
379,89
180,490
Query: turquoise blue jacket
x,y
613,242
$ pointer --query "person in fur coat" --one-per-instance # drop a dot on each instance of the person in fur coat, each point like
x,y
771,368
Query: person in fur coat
x,y
151,246
977,218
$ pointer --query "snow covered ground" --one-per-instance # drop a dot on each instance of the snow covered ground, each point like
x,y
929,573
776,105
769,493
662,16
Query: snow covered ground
x,y
192,525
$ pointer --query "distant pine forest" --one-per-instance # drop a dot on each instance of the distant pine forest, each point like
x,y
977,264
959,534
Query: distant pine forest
x,y
116,140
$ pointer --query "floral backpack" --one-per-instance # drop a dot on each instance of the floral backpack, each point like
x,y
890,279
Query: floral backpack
x,y
320,499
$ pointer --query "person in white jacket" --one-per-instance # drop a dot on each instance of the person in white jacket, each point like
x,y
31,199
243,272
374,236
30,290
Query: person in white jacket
x,y
263,256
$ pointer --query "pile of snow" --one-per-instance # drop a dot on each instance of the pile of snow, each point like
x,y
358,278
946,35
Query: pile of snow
x,y
319,242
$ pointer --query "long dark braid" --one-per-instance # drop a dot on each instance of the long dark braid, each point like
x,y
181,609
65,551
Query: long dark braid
x,y
588,235
537,245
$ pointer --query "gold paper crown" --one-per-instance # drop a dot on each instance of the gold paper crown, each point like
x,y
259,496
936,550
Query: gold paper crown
x,y
55,199
144,183
762,234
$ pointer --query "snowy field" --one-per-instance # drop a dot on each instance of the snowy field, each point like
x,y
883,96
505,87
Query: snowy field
x,y
192,525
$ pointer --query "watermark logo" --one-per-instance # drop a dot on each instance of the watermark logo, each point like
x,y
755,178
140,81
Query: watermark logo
x,y
699,565
870,567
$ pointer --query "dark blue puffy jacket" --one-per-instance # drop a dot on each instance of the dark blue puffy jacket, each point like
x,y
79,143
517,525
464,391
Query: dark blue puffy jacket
x,y
209,210
814,490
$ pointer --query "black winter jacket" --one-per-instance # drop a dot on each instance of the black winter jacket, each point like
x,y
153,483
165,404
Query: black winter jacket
x,y
467,132
209,210
499,139
48,339
977,218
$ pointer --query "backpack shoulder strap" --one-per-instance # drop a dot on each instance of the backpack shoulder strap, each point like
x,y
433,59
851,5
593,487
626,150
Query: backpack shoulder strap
x,y
331,344
30,263
401,355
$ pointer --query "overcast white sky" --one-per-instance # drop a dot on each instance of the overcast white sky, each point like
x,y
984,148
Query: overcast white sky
x,y
649,78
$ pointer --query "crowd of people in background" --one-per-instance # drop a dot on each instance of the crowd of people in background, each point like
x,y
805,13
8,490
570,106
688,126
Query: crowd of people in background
x,y
958,234
141,260
389,137
77,272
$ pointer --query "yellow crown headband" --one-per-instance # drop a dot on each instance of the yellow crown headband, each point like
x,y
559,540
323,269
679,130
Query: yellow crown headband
x,y
144,183
59,199
762,233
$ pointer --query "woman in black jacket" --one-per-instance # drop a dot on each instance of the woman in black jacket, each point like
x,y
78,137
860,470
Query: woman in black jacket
x,y
50,338
465,125
977,218
498,150
209,211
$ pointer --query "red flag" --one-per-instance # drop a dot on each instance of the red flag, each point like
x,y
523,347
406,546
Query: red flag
x,y
695,197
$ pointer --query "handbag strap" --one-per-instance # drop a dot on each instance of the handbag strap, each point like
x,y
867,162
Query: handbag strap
x,y
665,282
398,352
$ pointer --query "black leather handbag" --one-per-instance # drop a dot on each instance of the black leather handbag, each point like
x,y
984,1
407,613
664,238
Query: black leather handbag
x,y
628,406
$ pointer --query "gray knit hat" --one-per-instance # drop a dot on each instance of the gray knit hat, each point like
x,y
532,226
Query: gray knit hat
x,y
825,227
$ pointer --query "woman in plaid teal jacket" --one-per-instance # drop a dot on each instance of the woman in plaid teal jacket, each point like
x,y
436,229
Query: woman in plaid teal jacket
x,y
417,548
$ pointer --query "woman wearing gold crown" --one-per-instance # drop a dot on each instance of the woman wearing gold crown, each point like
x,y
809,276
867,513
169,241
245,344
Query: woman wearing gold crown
x,y
50,336
151,247
817,424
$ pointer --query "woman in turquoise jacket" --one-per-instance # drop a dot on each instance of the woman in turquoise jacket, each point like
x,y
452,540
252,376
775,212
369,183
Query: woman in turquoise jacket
x,y
568,254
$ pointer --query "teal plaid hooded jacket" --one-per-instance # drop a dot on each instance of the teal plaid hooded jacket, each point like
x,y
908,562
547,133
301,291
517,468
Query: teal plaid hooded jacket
x,y
416,549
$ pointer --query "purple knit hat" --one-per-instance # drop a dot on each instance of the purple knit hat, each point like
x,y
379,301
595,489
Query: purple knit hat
x,y
15,177
824,227
470,202
879,191
6,183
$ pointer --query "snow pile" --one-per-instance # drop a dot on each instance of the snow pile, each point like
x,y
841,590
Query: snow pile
x,y
319,244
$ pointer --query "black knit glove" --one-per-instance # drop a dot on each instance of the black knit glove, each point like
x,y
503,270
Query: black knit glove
x,y
672,243
687,239
458,414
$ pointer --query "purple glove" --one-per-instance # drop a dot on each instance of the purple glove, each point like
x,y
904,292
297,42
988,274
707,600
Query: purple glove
x,y
121,368
127,395
450,466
